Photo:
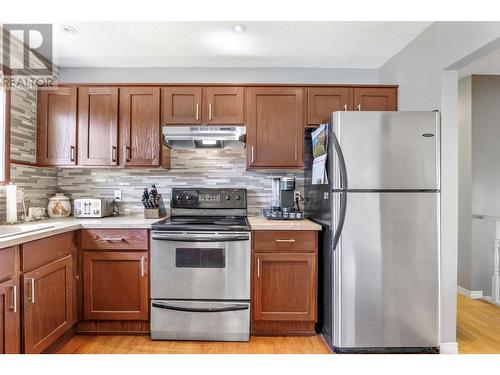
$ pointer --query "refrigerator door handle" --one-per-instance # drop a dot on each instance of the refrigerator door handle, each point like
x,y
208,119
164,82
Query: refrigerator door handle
x,y
343,194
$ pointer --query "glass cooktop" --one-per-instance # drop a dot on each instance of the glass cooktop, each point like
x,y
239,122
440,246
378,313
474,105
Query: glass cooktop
x,y
203,223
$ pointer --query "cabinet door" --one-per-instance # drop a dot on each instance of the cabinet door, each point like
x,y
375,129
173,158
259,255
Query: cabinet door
x,y
140,126
57,124
9,318
181,105
275,128
98,125
375,99
223,105
322,101
284,286
48,304
115,286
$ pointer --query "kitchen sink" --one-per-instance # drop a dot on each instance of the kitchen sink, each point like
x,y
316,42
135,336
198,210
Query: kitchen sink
x,y
14,230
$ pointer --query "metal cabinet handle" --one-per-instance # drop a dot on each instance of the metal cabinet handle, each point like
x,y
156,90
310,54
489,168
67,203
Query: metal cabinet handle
x,y
210,111
359,107
113,153
112,239
129,153
143,272
72,153
14,299
197,113
252,154
258,268
32,297
345,107
288,240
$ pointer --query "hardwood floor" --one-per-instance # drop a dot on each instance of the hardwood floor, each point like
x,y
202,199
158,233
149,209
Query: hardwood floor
x,y
85,344
478,332
478,327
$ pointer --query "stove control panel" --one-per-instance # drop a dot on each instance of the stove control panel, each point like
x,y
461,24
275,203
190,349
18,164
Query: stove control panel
x,y
209,198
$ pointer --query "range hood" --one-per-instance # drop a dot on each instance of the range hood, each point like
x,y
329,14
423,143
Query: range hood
x,y
232,137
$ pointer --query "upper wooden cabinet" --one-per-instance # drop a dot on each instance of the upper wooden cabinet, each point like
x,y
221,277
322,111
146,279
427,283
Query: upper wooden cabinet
x,y
375,99
181,105
98,125
140,126
48,304
321,101
223,105
57,124
275,127
217,105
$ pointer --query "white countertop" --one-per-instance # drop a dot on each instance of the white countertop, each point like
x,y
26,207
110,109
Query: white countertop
x,y
132,221
261,223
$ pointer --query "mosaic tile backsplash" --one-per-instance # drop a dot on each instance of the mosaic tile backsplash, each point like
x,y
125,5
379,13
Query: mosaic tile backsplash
x,y
190,168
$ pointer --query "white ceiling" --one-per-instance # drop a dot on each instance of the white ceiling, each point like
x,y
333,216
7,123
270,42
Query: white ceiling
x,y
214,44
488,64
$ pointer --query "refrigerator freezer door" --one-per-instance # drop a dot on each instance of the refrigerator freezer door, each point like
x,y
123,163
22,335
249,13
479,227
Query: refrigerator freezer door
x,y
388,150
386,266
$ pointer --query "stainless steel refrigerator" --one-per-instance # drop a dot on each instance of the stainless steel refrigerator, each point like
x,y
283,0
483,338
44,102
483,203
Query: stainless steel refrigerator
x,y
379,253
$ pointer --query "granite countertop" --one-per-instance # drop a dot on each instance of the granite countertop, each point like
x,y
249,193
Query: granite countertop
x,y
261,223
132,221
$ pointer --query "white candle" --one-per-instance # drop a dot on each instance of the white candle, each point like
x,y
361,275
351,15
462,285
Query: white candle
x,y
11,202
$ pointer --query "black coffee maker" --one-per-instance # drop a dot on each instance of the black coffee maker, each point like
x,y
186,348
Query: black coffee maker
x,y
283,200
287,189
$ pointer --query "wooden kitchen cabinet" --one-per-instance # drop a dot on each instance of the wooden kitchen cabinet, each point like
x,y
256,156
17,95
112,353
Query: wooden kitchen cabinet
x,y
140,126
57,127
275,127
322,101
375,99
115,285
47,304
9,317
98,126
181,105
284,275
223,105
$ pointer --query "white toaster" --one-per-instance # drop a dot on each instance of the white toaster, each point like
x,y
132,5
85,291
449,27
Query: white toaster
x,y
87,207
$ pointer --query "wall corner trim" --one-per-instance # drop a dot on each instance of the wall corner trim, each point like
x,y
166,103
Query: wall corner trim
x,y
448,348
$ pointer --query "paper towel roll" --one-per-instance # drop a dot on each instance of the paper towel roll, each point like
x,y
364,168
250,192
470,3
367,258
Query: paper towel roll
x,y
11,202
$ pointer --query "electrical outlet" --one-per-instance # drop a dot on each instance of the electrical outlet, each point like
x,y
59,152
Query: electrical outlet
x,y
118,195
296,194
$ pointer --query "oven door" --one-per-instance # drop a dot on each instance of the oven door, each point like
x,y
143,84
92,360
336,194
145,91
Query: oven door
x,y
202,265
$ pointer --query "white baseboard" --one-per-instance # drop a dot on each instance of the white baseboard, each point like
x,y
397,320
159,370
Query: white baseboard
x,y
490,300
472,294
448,348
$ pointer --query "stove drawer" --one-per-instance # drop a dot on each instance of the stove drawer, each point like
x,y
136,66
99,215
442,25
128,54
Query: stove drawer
x,y
200,320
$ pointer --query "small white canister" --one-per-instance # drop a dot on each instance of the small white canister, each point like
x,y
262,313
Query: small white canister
x,y
59,206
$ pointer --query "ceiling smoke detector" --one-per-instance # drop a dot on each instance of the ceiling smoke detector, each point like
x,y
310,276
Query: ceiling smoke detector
x,y
69,29
240,28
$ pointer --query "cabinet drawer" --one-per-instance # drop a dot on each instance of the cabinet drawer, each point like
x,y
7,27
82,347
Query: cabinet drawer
x,y
285,240
40,252
7,262
120,239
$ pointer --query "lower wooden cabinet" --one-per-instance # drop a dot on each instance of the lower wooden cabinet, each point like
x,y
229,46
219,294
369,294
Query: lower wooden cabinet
x,y
284,290
9,317
115,285
48,304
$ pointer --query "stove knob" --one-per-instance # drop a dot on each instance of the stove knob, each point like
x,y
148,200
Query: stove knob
x,y
178,197
189,197
228,197
237,197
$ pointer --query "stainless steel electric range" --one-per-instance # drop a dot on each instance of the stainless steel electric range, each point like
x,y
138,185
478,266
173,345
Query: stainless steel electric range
x,y
200,267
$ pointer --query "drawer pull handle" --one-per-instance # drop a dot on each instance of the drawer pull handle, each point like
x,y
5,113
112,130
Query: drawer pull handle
x,y
289,240
115,239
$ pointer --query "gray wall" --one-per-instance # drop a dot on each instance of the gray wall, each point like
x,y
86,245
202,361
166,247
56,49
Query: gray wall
x,y
218,75
420,69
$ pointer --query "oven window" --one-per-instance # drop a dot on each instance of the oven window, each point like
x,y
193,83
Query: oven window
x,y
200,257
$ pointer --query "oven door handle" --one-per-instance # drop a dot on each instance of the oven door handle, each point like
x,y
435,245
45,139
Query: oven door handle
x,y
235,307
164,237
